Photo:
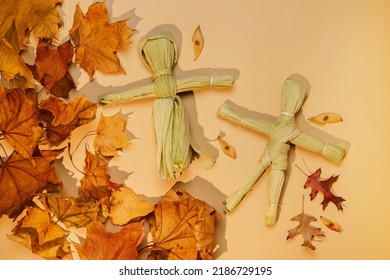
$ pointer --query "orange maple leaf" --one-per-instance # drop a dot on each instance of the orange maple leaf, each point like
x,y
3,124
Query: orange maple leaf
x,y
19,17
38,232
51,68
19,123
182,228
62,118
103,245
13,68
97,41
110,135
96,184
20,180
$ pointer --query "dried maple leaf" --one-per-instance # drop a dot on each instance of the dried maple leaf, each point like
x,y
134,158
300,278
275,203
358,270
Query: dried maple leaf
x,y
18,17
73,212
62,118
97,41
103,245
182,227
126,206
51,68
13,68
324,186
19,123
20,180
37,232
96,184
110,135
304,228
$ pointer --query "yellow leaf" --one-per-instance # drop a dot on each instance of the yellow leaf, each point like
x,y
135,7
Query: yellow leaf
x,y
182,228
13,68
110,135
97,41
37,232
18,17
126,206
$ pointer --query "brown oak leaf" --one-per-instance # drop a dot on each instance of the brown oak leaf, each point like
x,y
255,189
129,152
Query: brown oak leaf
x,y
62,118
41,235
51,68
324,186
13,67
304,228
103,245
182,227
127,206
19,123
73,212
110,135
21,180
96,184
97,41
18,17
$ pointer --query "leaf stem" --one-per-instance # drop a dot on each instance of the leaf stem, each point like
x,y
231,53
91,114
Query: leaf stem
x,y
301,170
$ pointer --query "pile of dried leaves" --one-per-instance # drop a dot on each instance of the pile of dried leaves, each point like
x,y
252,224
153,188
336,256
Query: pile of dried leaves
x,y
181,226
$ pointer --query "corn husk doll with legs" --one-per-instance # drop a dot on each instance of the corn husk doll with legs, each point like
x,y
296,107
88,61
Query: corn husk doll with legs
x,y
281,133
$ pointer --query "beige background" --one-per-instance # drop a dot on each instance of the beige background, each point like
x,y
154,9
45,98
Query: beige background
x,y
342,47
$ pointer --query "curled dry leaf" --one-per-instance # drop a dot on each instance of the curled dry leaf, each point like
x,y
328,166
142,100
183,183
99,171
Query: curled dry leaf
x,y
227,148
126,206
103,245
19,123
13,68
97,41
325,118
51,68
96,184
62,118
198,42
38,232
333,225
182,228
111,135
21,180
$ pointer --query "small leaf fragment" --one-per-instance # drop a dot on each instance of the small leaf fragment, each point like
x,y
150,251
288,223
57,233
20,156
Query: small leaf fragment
x,y
198,41
333,225
325,118
227,148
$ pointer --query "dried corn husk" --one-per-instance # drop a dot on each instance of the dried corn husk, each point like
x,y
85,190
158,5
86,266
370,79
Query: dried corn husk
x,y
183,85
175,146
281,132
